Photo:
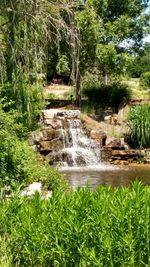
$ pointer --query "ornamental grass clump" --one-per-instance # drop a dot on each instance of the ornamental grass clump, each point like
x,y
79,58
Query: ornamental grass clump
x,y
139,121
108,227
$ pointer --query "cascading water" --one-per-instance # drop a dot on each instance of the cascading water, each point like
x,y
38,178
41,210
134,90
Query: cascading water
x,y
78,149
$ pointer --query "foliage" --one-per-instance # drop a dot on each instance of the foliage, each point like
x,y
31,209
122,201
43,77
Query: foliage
x,y
63,65
104,26
91,78
18,162
140,63
106,95
27,31
26,98
145,79
108,227
139,120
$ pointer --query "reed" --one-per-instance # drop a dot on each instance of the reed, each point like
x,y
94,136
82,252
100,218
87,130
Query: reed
x,y
108,227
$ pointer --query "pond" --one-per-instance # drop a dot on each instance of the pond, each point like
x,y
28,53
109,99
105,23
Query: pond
x,y
107,175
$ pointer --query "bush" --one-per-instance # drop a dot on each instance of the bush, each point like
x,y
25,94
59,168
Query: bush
x,y
106,95
139,119
145,79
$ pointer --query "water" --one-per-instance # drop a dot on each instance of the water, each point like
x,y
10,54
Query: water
x,y
106,175
78,149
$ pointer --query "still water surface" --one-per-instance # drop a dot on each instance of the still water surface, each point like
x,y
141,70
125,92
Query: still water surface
x,y
106,175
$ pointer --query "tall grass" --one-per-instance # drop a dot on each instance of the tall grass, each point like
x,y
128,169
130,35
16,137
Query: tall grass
x,y
139,118
108,227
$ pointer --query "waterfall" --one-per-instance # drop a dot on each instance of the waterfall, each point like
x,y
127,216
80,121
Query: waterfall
x,y
78,149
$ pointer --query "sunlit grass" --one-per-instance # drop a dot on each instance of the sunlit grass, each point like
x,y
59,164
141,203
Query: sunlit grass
x,y
136,90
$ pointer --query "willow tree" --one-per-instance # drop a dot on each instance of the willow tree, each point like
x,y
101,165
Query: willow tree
x,y
28,27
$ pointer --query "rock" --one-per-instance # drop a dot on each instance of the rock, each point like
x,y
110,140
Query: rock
x,y
50,114
98,136
123,113
55,144
106,153
111,119
117,144
51,134
107,119
31,189
125,153
36,187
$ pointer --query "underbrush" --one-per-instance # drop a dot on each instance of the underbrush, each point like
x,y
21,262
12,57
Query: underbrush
x,y
108,227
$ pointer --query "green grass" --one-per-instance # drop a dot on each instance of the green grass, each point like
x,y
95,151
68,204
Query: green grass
x,y
139,122
108,227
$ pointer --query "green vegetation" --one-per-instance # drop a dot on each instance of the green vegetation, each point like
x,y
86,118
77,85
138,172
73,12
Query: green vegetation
x,y
145,79
74,39
139,119
108,227
139,62
19,164
106,95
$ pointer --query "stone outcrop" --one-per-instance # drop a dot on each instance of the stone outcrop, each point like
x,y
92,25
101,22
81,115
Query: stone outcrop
x,y
118,152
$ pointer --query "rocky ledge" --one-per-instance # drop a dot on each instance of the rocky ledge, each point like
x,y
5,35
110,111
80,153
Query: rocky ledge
x,y
118,152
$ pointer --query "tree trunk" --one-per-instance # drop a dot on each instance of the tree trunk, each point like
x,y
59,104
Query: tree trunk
x,y
105,77
78,93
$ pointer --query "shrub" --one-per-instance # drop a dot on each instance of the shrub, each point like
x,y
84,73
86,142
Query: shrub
x,y
145,79
139,119
106,95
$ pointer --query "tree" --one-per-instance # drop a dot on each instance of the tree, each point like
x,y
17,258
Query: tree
x,y
114,22
28,27
140,62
